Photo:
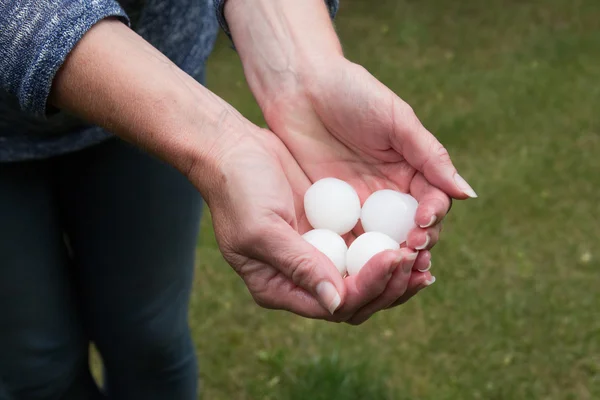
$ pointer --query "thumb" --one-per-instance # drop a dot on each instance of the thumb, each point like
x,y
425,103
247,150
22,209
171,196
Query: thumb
x,y
425,153
283,248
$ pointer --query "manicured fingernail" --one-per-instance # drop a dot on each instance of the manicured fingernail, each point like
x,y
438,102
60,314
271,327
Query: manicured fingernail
x,y
430,223
329,296
424,245
409,261
429,282
426,268
464,186
411,257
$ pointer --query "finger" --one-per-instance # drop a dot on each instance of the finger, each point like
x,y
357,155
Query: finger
x,y
423,239
276,291
279,245
395,288
371,281
434,204
423,262
424,152
418,281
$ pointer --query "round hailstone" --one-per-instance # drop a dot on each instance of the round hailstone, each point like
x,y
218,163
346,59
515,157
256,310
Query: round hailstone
x,y
331,244
332,204
390,212
365,247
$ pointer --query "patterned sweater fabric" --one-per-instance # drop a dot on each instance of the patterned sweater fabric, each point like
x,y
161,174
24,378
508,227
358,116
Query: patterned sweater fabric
x,y
36,37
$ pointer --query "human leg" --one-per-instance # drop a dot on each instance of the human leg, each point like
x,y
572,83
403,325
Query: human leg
x,y
133,222
43,349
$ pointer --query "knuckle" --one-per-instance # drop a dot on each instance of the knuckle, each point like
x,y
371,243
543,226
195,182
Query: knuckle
x,y
441,153
359,68
303,271
407,110
234,259
403,113
408,115
438,155
263,301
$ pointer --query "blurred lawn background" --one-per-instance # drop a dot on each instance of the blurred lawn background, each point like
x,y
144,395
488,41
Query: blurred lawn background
x,y
512,88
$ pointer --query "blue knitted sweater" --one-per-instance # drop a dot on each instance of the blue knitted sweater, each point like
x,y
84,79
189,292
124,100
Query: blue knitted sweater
x,y
36,36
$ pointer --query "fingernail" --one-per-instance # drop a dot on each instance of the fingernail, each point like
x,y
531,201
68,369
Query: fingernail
x,y
329,296
429,282
430,223
464,186
426,268
424,245
409,261
401,257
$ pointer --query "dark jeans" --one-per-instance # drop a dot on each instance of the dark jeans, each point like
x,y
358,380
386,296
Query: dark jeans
x,y
96,246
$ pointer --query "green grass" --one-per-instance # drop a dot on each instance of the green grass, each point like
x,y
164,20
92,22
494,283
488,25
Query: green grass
x,y
512,88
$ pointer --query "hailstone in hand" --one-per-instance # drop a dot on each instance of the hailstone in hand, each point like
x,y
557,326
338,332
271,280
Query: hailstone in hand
x,y
331,244
332,204
365,247
390,212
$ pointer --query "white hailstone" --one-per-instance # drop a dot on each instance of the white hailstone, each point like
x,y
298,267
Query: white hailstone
x,y
333,204
365,247
331,244
390,212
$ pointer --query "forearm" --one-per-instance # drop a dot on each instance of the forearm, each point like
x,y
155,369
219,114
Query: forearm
x,y
115,79
281,42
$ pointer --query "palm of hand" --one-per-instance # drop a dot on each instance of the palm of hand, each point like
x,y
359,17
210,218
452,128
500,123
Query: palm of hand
x,y
348,133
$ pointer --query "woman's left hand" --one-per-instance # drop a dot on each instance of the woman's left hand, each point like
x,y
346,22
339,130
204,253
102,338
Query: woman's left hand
x,y
347,124
337,120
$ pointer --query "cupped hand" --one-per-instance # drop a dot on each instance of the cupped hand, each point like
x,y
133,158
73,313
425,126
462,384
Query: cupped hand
x,y
340,121
255,194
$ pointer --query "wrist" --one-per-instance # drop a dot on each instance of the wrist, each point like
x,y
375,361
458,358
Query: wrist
x,y
283,44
